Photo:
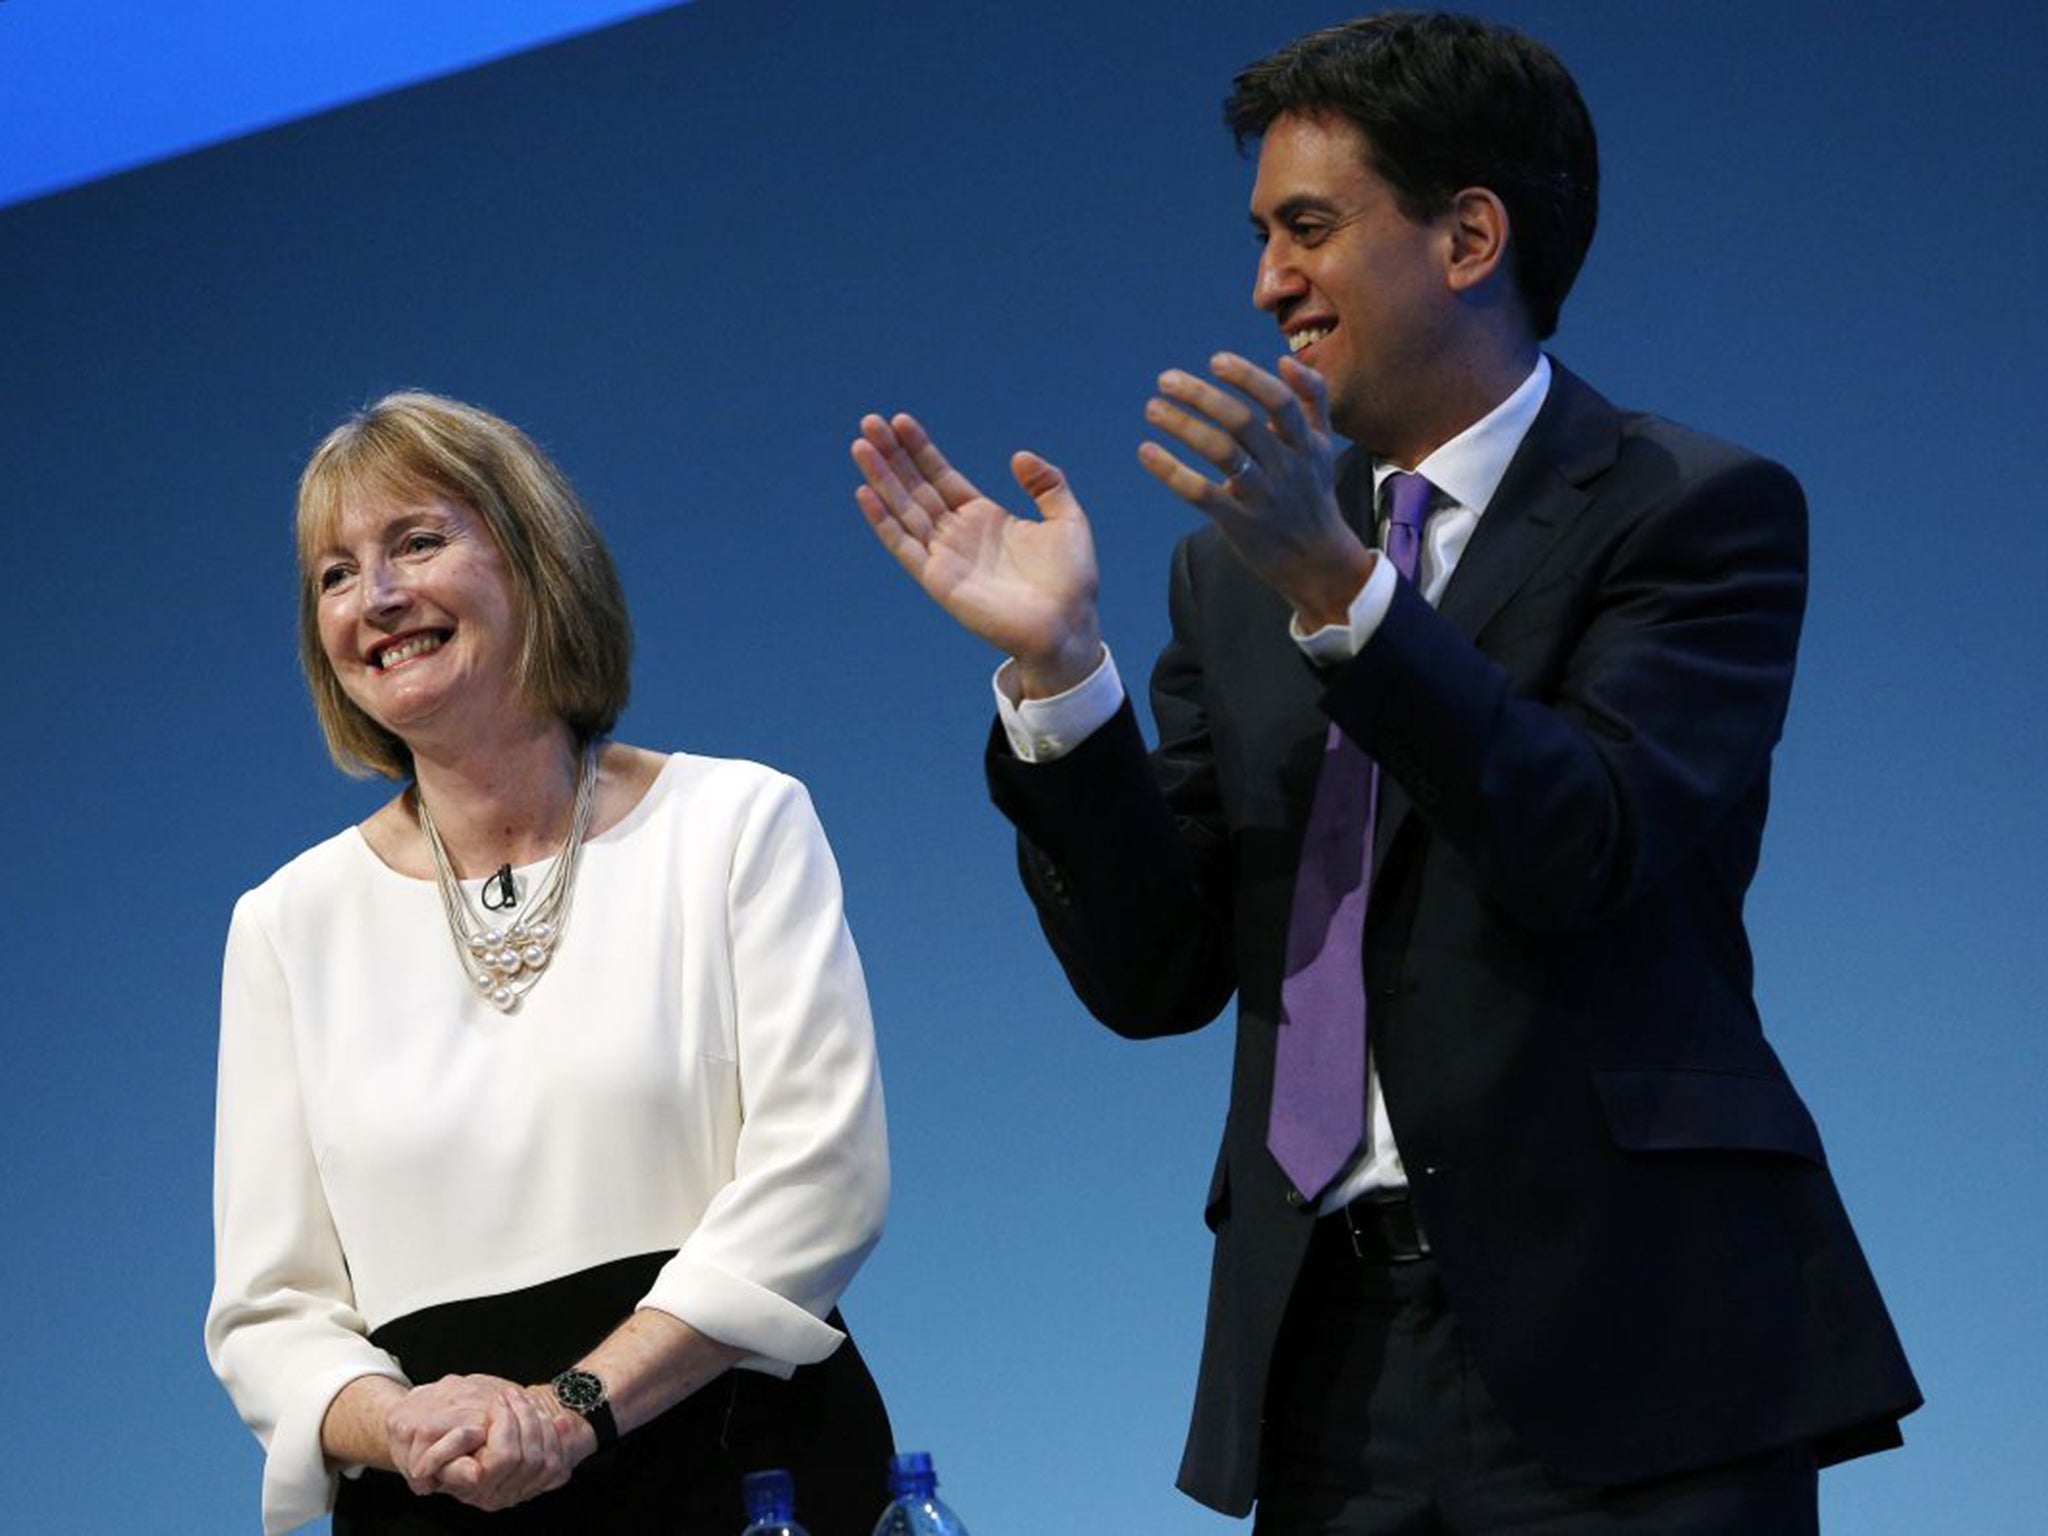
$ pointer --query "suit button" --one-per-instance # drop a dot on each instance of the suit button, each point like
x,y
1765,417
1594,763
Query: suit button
x,y
1295,1198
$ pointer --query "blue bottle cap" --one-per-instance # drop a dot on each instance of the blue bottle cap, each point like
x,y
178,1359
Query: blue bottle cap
x,y
911,1472
769,1495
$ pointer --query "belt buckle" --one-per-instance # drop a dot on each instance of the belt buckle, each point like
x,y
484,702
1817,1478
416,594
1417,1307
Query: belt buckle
x,y
1351,1230
1406,1247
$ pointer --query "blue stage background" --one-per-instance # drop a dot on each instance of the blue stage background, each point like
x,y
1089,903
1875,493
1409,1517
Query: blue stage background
x,y
688,251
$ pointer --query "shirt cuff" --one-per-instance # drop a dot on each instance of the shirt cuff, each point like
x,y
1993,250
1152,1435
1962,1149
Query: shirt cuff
x,y
777,1334
298,1480
1042,730
1334,644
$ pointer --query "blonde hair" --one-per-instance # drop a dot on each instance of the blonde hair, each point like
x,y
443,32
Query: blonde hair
x,y
575,660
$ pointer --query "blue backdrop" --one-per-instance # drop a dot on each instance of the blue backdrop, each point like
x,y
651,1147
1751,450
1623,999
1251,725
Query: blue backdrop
x,y
687,252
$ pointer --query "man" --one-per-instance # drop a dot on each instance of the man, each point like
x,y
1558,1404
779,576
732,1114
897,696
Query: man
x,y
1519,1223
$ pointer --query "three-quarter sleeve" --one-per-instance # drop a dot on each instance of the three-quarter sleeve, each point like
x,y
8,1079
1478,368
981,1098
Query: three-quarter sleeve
x,y
810,1178
282,1330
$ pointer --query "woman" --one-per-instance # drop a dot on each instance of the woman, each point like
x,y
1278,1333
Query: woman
x,y
549,1125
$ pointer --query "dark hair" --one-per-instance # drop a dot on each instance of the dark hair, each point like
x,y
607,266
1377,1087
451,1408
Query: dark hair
x,y
1448,102
577,655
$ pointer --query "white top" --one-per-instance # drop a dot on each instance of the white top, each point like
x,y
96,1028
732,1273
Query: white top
x,y
695,1070
1466,471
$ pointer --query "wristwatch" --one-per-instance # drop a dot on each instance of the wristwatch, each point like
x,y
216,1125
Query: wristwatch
x,y
582,1393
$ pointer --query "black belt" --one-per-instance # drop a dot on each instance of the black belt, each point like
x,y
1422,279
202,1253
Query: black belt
x,y
1381,1228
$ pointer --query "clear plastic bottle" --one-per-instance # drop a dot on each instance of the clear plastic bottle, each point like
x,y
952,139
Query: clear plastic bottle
x,y
771,1504
914,1505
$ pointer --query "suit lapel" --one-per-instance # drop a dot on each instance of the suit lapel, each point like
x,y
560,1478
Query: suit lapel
x,y
1574,438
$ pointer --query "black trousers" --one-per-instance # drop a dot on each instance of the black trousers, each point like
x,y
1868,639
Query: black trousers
x,y
1378,1425
678,1474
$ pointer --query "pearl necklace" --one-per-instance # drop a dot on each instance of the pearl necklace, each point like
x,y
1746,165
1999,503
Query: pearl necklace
x,y
505,964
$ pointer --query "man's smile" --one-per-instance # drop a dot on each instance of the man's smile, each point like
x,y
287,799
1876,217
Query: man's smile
x,y
1299,341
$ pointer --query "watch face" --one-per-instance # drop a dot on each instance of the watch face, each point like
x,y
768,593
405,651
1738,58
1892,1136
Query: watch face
x,y
579,1391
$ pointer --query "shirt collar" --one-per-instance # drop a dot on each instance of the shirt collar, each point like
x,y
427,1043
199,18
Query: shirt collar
x,y
1468,469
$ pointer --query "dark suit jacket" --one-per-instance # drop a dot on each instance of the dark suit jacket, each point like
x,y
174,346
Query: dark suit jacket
x,y
1630,1206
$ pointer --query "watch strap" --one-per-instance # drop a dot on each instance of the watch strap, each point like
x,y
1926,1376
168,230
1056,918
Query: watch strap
x,y
603,1425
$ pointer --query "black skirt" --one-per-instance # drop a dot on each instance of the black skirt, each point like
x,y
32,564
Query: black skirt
x,y
678,1474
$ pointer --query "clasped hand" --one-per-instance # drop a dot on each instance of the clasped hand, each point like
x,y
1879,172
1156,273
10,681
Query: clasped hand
x,y
488,1442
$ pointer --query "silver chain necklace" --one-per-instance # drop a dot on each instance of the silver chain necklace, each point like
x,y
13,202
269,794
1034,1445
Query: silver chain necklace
x,y
504,964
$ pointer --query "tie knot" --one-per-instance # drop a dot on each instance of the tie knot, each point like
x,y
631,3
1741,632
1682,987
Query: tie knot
x,y
1408,498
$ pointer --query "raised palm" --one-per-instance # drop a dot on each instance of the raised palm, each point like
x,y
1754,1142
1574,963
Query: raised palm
x,y
1026,586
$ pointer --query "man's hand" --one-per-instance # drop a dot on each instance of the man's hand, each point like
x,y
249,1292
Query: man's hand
x,y
1277,504
1027,587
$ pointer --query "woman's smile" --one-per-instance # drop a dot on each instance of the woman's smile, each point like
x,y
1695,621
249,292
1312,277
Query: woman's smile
x,y
397,652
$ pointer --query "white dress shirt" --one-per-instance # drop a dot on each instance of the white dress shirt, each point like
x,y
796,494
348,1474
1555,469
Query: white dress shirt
x,y
1466,472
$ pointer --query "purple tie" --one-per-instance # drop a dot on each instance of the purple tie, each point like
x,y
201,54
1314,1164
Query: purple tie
x,y
1318,1116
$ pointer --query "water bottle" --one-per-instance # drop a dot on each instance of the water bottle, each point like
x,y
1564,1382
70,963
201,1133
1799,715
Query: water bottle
x,y
914,1507
771,1505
